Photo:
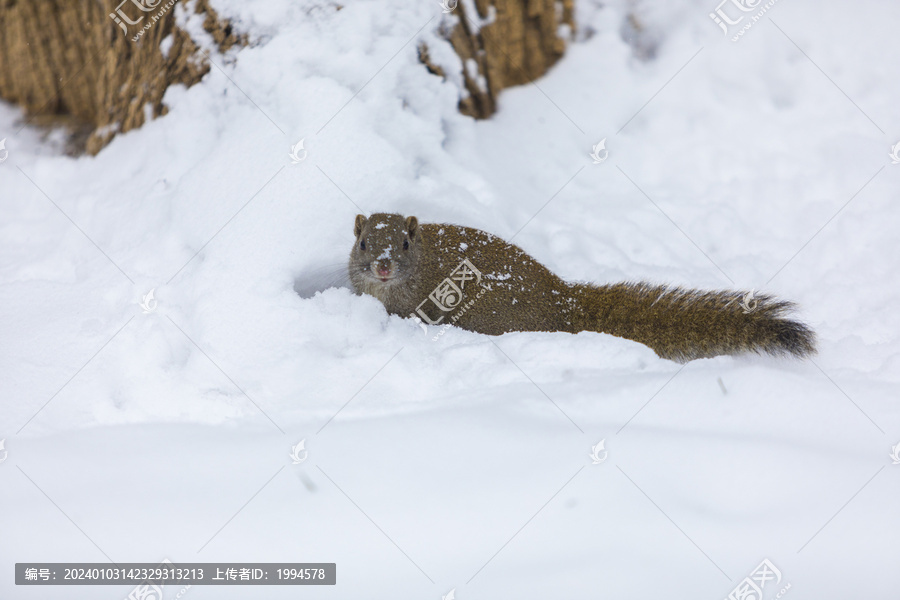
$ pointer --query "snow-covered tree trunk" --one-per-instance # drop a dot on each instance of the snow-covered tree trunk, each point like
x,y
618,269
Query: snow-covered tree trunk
x,y
503,43
69,62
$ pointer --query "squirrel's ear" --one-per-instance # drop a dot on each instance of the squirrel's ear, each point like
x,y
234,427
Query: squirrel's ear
x,y
359,224
412,226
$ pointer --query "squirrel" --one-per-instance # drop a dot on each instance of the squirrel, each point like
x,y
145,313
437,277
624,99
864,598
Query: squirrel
x,y
445,273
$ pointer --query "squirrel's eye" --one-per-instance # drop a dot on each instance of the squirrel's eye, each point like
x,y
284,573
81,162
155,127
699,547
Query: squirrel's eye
x,y
362,245
406,244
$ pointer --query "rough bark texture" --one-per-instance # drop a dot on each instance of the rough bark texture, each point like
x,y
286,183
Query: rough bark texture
x,y
66,62
519,44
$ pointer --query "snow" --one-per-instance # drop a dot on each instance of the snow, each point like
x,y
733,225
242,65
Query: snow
x,y
462,463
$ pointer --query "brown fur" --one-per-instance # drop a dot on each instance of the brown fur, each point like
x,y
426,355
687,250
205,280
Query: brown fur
x,y
519,294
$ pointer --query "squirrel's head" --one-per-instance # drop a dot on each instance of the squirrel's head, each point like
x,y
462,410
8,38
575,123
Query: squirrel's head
x,y
386,250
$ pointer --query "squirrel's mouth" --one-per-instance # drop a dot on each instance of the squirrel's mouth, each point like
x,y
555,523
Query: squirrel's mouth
x,y
381,278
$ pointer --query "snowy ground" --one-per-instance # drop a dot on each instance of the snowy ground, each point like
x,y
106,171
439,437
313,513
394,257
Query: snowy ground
x,y
463,463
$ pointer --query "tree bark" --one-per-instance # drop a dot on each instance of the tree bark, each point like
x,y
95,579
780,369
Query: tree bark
x,y
503,43
67,62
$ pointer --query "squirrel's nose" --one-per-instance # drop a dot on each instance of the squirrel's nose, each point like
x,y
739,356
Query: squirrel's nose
x,y
383,270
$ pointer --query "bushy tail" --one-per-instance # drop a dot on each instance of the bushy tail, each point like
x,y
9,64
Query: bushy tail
x,y
682,325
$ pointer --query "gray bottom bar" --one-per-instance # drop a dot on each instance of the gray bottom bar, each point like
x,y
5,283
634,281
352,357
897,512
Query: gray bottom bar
x,y
167,573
